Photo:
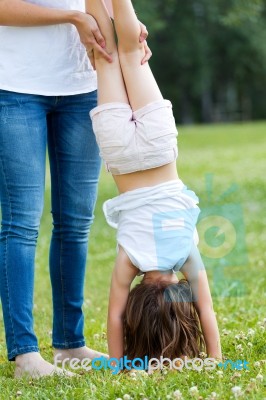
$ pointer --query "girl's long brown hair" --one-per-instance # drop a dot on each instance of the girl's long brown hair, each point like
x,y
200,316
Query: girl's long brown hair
x,y
160,320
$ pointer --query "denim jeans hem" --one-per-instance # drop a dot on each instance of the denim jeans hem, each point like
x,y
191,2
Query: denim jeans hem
x,y
22,350
69,345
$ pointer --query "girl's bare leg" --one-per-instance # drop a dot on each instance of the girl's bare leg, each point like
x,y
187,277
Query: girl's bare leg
x,y
111,87
140,83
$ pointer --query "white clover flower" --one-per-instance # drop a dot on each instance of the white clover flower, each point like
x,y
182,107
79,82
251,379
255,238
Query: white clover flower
x,y
239,347
118,398
237,337
219,373
93,387
225,319
237,391
236,375
96,336
202,355
250,344
242,335
142,372
225,332
87,302
126,397
194,390
133,374
259,377
177,394
213,396
252,380
251,332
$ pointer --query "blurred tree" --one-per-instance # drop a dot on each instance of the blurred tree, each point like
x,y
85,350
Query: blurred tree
x,y
209,56
247,19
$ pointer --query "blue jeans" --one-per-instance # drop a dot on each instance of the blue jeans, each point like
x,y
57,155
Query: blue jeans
x,y
27,123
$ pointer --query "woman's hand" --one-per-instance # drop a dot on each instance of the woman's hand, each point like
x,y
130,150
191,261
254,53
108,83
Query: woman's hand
x,y
143,36
91,36
148,53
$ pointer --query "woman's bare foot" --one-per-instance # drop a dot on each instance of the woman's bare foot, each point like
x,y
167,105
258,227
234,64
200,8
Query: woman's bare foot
x,y
81,353
34,366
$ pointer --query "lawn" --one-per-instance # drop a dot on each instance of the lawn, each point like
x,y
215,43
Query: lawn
x,y
226,166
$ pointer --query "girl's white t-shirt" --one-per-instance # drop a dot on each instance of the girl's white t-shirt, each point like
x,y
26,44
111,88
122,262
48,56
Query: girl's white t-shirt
x,y
46,60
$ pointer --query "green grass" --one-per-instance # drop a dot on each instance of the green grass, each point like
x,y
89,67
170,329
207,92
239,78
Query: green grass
x,y
218,156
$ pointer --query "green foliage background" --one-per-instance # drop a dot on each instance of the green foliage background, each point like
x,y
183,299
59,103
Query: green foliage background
x,y
209,57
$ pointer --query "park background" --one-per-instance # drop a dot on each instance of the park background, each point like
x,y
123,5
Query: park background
x,y
209,57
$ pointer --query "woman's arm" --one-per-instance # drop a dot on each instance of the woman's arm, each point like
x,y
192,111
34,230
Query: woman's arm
x,y
195,273
123,275
22,14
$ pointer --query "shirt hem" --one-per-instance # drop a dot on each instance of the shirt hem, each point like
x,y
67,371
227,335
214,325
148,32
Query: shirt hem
x,y
48,93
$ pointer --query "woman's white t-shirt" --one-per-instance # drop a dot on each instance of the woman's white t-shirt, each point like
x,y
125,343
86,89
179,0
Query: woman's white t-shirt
x,y
46,60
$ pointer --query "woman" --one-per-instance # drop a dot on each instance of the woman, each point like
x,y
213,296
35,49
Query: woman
x,y
47,89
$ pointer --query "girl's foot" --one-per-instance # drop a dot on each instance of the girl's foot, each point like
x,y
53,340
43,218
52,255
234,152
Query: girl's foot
x,y
34,366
